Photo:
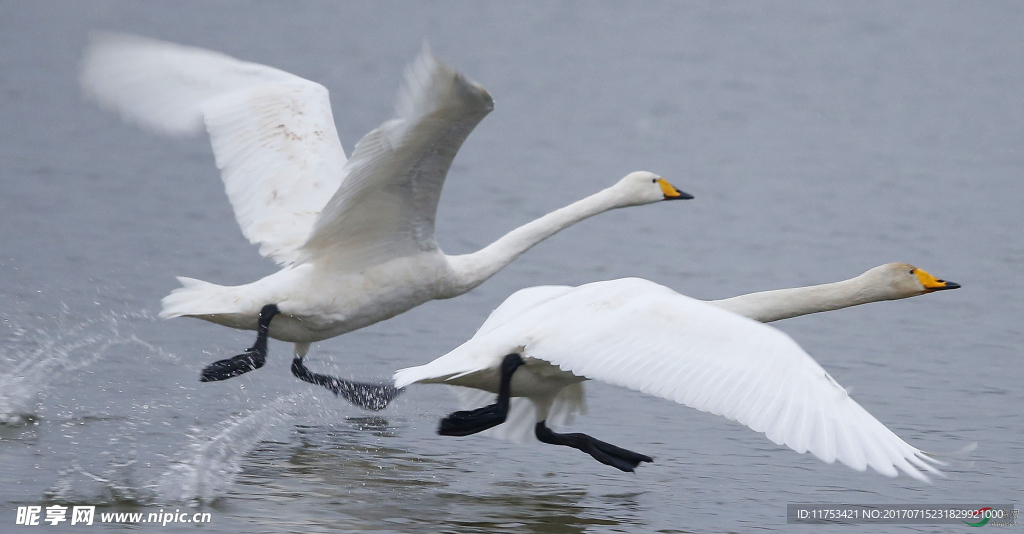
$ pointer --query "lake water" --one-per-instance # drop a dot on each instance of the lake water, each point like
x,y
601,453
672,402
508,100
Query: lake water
x,y
819,138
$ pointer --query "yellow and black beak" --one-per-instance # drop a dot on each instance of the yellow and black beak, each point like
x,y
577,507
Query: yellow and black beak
x,y
931,283
670,191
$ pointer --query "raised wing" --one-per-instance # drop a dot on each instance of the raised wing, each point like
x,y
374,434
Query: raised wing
x,y
386,207
272,132
640,335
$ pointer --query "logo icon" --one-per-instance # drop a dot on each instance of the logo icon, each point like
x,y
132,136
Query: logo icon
x,y
982,513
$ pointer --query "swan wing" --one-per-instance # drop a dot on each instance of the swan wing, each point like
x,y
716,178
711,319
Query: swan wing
x,y
643,336
385,208
518,303
272,132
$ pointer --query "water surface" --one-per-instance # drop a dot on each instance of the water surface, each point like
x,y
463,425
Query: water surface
x,y
820,139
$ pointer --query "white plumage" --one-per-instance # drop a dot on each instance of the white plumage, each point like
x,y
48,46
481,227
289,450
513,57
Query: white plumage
x,y
891,281
355,237
272,132
643,336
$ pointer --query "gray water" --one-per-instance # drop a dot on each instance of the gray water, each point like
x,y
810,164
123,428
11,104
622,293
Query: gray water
x,y
820,139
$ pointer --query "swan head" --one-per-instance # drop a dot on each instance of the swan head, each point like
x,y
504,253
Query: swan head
x,y
903,280
642,187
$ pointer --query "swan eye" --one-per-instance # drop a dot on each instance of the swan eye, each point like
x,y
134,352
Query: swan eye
x,y
912,271
654,180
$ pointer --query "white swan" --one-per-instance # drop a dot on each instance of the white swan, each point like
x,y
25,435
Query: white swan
x,y
355,237
646,337
885,282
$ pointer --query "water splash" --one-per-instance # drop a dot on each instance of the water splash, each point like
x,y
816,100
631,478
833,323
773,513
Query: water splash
x,y
207,468
35,357
116,485
203,470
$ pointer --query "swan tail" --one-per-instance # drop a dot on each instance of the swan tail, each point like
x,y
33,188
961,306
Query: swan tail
x,y
199,298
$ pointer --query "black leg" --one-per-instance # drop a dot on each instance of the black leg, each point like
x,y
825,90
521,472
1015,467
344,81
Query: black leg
x,y
367,396
253,358
469,422
605,453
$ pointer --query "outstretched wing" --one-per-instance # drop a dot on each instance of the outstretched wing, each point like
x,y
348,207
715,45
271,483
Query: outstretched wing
x,y
640,335
385,208
519,303
272,132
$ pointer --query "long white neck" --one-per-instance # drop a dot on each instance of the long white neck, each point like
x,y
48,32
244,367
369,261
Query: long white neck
x,y
768,306
470,270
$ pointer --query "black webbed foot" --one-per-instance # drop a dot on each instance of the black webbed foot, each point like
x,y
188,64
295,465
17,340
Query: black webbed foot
x,y
367,396
253,358
224,369
467,422
606,453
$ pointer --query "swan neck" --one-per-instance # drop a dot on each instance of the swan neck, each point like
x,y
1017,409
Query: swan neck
x,y
471,270
768,306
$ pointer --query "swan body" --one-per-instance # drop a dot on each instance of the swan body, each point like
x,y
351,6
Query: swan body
x,y
638,334
354,236
316,303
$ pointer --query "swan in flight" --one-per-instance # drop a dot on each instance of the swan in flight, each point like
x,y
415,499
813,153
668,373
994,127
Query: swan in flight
x,y
537,348
354,237
891,281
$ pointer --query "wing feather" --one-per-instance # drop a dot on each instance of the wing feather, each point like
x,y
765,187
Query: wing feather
x,y
272,132
518,303
386,207
826,437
